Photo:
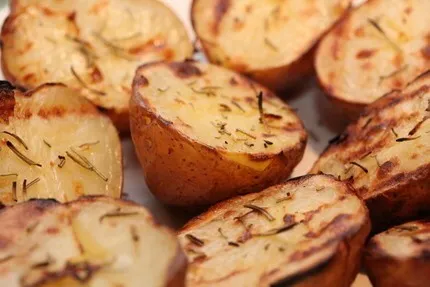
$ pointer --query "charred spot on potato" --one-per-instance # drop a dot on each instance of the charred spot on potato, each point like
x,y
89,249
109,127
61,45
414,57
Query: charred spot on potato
x,y
425,52
141,81
185,70
364,54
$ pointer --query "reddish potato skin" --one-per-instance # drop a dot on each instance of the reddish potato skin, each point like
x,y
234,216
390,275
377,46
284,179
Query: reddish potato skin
x,y
386,272
182,172
341,268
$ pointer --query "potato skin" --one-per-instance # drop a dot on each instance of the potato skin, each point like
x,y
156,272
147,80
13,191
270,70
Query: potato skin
x,y
182,172
385,267
393,195
342,267
277,78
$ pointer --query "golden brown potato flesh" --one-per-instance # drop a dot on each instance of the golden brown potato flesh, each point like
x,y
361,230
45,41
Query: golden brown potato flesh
x,y
385,154
92,46
269,40
91,242
399,256
381,46
55,144
306,232
204,133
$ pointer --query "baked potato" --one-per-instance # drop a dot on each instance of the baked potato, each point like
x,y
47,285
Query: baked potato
x,y
309,231
380,46
55,144
399,256
385,154
203,133
93,46
94,241
271,41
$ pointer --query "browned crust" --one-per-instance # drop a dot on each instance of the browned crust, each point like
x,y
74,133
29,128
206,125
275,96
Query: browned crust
x,y
173,184
391,201
276,78
341,267
7,101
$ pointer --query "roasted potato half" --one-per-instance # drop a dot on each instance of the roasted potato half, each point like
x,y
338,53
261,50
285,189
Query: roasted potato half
x,y
94,241
93,46
381,46
55,144
399,257
271,41
385,154
204,133
309,231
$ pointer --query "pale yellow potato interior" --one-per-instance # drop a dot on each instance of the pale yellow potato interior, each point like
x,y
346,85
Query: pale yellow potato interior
x,y
213,112
273,33
248,263
113,36
91,135
369,63
124,250
400,241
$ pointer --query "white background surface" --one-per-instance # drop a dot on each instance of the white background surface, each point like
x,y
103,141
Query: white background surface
x,y
319,117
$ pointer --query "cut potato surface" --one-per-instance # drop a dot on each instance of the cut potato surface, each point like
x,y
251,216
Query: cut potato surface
x,y
92,242
55,144
269,40
306,232
399,256
381,46
385,154
93,46
204,133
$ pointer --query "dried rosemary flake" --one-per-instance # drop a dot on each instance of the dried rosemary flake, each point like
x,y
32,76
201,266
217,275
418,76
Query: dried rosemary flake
x,y
85,163
134,235
47,144
278,230
87,145
235,244
270,44
392,74
14,191
377,27
8,174
248,144
260,106
36,180
417,126
394,132
367,123
163,90
260,210
236,104
246,134
17,138
83,84
195,240
62,161
407,139
225,108
117,214
360,166
20,155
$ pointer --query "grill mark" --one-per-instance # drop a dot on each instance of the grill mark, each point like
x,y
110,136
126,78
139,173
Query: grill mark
x,y
221,8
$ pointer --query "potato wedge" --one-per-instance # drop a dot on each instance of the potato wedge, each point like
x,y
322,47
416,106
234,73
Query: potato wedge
x,y
92,46
385,154
308,231
94,241
379,47
271,41
204,133
55,144
399,256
